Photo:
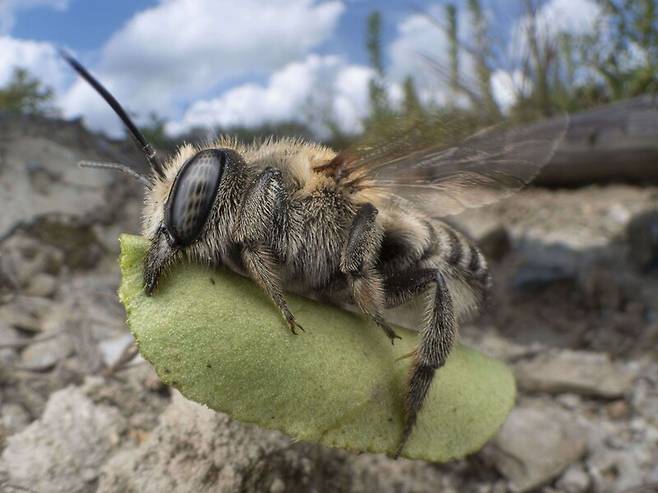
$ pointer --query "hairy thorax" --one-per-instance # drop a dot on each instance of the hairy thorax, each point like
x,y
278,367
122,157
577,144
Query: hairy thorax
x,y
294,157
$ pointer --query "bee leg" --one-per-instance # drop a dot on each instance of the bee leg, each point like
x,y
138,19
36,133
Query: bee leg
x,y
158,258
260,265
358,263
436,338
261,213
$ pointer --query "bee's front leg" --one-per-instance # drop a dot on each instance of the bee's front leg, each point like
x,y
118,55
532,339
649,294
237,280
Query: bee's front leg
x,y
158,257
358,260
260,265
261,215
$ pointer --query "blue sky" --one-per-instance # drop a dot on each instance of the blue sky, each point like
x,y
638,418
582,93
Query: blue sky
x,y
219,62
85,25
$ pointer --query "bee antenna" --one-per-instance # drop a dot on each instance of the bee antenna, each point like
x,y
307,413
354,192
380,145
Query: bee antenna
x,y
148,150
116,167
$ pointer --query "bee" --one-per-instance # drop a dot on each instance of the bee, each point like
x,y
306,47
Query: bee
x,y
362,227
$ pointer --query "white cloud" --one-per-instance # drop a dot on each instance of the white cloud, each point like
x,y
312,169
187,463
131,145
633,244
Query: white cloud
x,y
351,98
306,92
570,16
422,49
508,86
39,58
9,9
181,49
577,17
416,37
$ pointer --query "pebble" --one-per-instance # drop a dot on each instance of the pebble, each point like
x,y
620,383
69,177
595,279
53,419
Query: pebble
x,y
581,372
89,475
26,313
642,234
493,344
614,470
495,243
536,275
8,357
112,349
42,285
14,417
8,334
25,257
570,401
574,480
536,443
618,410
43,355
277,486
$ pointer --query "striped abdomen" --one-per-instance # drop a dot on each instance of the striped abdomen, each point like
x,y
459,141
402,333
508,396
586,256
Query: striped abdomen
x,y
461,254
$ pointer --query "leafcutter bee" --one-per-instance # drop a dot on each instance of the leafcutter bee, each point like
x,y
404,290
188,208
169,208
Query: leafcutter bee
x,y
361,227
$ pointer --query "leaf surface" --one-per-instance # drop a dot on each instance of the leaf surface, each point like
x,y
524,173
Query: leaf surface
x,y
217,338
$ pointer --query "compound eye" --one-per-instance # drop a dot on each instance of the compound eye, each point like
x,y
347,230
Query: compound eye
x,y
193,195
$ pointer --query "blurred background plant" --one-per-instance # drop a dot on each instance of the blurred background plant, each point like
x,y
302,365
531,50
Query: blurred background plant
x,y
551,72
548,71
25,94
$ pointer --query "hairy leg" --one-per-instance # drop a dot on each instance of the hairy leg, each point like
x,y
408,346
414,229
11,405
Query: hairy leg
x,y
437,336
262,211
260,265
358,260
158,257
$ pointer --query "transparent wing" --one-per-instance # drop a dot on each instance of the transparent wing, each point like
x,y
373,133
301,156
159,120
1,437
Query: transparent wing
x,y
445,179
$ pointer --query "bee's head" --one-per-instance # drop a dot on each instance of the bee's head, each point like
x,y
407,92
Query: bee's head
x,y
180,197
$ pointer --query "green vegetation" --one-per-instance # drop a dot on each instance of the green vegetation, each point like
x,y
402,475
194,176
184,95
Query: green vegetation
x,y
617,60
630,66
555,72
26,95
217,338
482,55
379,106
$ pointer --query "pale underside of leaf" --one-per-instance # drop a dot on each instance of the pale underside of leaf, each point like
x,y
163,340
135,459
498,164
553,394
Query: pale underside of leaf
x,y
223,344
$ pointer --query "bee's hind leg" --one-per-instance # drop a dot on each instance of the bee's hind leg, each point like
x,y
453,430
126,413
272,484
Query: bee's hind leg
x,y
357,262
261,215
436,337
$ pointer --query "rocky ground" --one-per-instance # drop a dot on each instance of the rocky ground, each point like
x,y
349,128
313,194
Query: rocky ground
x,y
574,312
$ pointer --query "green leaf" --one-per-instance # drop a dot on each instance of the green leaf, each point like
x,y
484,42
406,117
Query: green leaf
x,y
217,338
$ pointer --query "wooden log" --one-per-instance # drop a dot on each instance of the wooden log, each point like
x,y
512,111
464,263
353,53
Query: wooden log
x,y
617,142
